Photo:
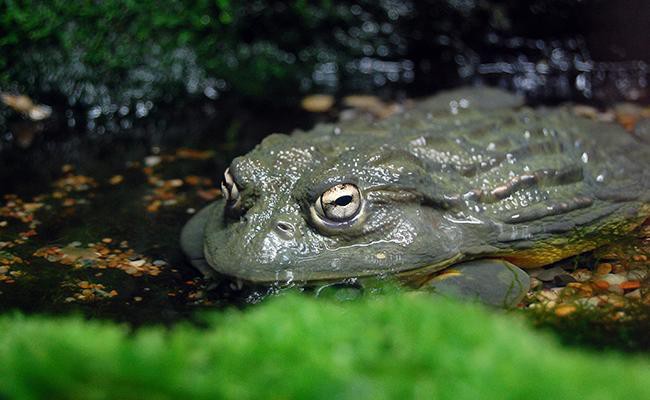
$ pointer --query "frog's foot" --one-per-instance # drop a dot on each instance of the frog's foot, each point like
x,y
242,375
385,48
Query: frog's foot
x,y
493,282
192,240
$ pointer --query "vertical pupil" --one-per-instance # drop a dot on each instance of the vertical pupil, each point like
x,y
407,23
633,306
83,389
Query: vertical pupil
x,y
343,200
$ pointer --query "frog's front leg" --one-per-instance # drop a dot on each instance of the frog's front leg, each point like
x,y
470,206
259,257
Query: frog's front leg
x,y
489,281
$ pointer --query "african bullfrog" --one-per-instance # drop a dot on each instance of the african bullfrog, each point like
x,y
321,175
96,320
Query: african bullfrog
x,y
470,181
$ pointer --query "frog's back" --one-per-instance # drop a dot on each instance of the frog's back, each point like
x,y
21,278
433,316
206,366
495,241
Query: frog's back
x,y
534,185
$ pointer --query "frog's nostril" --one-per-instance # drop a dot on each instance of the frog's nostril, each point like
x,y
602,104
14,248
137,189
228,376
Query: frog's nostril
x,y
285,229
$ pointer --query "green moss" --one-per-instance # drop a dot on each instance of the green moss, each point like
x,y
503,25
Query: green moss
x,y
394,346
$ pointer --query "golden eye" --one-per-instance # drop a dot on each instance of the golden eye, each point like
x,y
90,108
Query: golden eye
x,y
339,203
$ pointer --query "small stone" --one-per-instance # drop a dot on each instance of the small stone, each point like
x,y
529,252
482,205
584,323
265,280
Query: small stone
x,y
534,283
637,274
131,270
616,300
190,210
604,268
152,161
107,240
3,224
317,102
548,275
619,269
564,309
116,179
548,295
614,279
640,257
137,298
137,263
562,280
629,285
601,284
159,263
581,275
616,289
175,182
634,295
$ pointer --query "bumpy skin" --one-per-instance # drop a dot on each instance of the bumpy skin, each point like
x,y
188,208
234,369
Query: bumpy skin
x,y
467,174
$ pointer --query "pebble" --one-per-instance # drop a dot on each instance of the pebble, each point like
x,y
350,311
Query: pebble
x,y
604,268
614,279
616,289
634,295
116,179
564,310
137,263
151,161
601,284
548,275
317,102
630,285
637,274
582,275
563,279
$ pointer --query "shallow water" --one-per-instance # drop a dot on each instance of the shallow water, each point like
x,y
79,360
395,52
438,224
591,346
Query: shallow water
x,y
134,192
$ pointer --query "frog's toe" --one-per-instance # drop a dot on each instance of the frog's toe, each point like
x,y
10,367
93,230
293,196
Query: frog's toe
x,y
494,282
192,240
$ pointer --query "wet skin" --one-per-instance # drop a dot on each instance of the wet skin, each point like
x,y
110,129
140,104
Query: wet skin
x,y
467,175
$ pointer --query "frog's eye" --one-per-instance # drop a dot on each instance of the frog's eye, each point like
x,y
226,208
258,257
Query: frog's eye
x,y
230,191
339,203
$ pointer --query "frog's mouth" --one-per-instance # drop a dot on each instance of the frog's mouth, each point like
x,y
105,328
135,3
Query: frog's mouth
x,y
193,239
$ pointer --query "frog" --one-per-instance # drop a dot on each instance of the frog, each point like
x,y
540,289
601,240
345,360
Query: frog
x,y
459,194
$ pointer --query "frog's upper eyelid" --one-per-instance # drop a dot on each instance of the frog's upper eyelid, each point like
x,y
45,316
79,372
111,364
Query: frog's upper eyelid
x,y
317,190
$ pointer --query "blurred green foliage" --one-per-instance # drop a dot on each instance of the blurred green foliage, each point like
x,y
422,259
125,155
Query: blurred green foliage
x,y
393,346
147,49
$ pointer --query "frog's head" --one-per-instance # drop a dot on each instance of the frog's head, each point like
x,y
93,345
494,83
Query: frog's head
x,y
322,207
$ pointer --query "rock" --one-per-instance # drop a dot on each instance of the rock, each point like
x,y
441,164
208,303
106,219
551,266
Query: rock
x,y
562,280
615,289
564,309
547,275
137,263
629,285
601,284
614,279
634,295
317,102
604,268
637,274
581,275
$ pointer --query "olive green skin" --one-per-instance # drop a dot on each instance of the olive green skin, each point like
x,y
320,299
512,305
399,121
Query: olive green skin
x,y
465,175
